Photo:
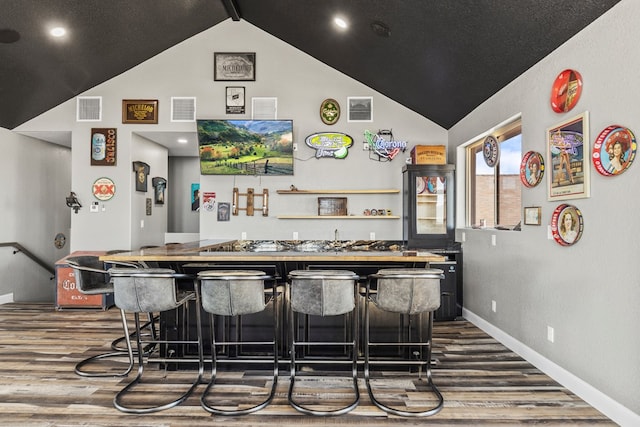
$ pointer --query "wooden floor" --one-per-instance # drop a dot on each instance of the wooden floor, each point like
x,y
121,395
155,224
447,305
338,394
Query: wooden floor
x,y
482,382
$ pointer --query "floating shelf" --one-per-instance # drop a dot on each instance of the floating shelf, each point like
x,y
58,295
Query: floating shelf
x,y
301,192
338,217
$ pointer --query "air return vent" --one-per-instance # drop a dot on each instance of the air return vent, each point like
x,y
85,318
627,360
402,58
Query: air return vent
x,y
264,108
89,109
183,109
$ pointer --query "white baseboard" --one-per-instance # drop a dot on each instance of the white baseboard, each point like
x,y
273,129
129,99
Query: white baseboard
x,y
6,298
603,403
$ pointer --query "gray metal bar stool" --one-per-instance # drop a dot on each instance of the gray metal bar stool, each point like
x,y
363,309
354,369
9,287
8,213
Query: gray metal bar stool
x,y
92,279
323,293
237,293
145,290
410,291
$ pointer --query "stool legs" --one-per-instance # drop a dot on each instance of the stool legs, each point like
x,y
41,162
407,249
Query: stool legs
x,y
118,400
424,361
204,401
293,344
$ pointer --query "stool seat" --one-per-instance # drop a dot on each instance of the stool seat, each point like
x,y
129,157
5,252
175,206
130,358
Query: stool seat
x,y
322,292
408,290
232,292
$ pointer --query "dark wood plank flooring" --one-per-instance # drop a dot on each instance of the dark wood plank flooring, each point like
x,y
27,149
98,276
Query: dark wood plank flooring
x,y
483,383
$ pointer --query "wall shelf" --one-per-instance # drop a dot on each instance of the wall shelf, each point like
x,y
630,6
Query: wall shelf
x,y
338,217
341,217
303,192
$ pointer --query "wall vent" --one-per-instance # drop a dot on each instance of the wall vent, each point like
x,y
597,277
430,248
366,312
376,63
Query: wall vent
x,y
89,109
264,108
183,109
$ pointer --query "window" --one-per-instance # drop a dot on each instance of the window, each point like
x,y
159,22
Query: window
x,y
494,194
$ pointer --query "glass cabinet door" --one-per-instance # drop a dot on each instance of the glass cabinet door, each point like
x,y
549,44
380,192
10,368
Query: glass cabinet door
x,y
428,205
431,204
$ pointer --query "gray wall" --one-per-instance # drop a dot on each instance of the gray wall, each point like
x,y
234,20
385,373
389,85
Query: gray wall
x,y
590,292
36,178
183,171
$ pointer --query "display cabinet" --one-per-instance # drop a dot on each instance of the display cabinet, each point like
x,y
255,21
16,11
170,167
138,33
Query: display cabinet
x,y
428,206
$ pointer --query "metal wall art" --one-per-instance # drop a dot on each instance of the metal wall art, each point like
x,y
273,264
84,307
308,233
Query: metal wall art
x,y
329,111
491,151
567,146
104,189
140,111
567,224
566,91
614,150
103,146
531,169
234,66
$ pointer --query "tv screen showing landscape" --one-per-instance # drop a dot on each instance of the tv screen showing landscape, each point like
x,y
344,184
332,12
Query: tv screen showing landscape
x,y
245,147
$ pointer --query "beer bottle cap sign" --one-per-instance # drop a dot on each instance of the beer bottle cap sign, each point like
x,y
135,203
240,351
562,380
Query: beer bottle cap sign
x,y
566,91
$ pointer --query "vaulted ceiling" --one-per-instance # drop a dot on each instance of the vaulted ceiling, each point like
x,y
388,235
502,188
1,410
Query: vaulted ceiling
x,y
440,58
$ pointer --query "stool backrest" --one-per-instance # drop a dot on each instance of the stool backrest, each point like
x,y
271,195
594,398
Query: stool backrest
x,y
232,292
322,292
408,291
144,290
90,275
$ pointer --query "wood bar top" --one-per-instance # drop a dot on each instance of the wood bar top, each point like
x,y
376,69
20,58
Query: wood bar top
x,y
224,250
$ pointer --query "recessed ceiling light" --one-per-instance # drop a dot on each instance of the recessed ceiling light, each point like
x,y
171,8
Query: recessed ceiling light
x,y
182,140
340,22
58,32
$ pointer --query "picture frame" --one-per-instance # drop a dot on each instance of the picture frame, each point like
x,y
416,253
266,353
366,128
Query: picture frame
x,y
568,159
234,66
359,109
144,111
235,100
532,215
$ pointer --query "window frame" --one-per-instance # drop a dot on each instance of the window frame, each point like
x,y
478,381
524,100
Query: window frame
x,y
502,132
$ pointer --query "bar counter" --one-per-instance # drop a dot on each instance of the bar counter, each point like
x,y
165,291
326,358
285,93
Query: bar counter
x,y
283,251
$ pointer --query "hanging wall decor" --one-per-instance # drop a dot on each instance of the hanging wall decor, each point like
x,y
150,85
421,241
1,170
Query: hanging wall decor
x,y
103,146
383,144
104,189
614,150
491,151
566,91
159,184
235,100
568,168
531,169
140,111
330,144
567,224
329,111
142,170
234,66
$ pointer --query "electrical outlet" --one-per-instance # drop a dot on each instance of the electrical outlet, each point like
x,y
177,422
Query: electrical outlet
x,y
464,237
295,147
493,306
142,223
365,146
372,236
243,235
295,235
493,240
550,334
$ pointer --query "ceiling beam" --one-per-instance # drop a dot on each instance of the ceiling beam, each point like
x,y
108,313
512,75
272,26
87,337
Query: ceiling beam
x,y
232,9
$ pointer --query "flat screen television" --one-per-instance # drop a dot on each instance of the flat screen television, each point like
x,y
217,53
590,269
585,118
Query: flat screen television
x,y
245,147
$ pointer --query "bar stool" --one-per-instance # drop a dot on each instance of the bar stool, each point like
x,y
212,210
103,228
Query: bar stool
x,y
236,293
323,293
407,291
92,279
145,290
